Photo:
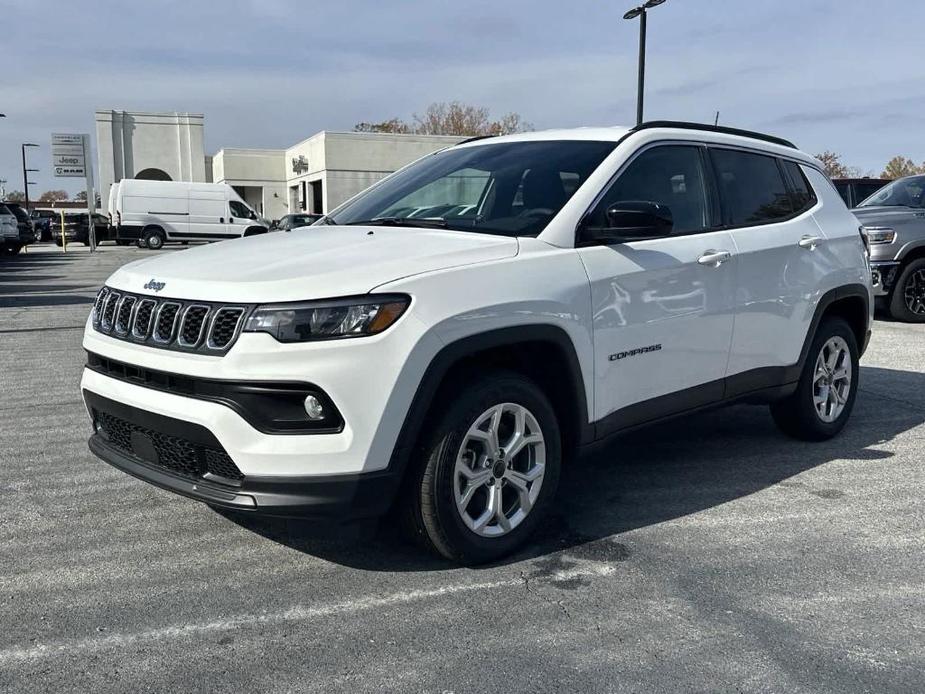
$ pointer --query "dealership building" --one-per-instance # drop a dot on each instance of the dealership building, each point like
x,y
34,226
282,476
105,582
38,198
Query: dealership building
x,y
315,175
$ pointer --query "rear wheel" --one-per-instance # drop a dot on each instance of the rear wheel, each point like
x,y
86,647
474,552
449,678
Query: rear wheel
x,y
489,470
908,300
154,239
822,403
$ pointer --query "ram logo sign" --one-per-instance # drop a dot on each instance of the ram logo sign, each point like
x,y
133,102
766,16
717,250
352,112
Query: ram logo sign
x,y
299,164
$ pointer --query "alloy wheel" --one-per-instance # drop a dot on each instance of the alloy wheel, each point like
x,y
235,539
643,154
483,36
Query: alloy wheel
x,y
832,379
914,292
499,470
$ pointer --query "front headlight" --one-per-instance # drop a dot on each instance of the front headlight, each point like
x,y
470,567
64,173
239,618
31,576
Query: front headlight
x,y
879,235
357,316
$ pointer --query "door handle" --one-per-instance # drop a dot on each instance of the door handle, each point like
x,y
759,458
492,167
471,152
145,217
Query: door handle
x,y
713,258
810,242
221,220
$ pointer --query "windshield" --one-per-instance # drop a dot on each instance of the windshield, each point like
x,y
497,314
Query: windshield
x,y
508,189
903,192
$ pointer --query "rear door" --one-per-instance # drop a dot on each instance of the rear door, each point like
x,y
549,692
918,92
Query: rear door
x,y
781,258
662,308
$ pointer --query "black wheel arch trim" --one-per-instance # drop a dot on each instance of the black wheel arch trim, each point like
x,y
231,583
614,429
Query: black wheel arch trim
x,y
453,353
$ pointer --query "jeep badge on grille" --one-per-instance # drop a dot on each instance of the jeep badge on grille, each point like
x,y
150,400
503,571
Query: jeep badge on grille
x,y
155,285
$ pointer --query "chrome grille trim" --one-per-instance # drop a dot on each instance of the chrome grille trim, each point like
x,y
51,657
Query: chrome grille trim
x,y
123,316
210,341
156,332
98,304
146,328
112,298
181,339
136,318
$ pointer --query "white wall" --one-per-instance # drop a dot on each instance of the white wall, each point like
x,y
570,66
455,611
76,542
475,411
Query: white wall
x,y
255,168
128,142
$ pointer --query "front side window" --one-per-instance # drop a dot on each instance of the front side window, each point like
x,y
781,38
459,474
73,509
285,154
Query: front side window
x,y
671,176
904,192
505,188
752,188
239,209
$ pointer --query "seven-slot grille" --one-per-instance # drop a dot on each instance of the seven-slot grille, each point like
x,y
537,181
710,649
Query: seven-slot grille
x,y
168,323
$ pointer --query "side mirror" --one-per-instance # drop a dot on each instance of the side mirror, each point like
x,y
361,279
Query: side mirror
x,y
633,220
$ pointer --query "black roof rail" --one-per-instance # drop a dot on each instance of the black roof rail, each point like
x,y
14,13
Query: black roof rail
x,y
685,125
474,138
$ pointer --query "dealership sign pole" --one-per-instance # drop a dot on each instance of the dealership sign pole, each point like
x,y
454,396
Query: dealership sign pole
x,y
70,155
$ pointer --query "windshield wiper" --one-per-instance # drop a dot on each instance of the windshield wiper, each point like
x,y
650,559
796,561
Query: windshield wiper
x,y
438,222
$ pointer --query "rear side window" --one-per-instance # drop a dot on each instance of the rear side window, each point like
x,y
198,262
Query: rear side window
x,y
801,191
752,188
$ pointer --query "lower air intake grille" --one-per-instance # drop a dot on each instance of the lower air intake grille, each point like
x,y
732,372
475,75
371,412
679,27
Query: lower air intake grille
x,y
173,453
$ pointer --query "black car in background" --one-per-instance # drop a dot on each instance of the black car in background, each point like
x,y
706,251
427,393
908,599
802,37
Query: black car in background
x,y
854,190
292,221
24,222
77,230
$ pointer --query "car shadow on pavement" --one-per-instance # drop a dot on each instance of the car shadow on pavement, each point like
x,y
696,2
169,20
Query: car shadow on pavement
x,y
657,474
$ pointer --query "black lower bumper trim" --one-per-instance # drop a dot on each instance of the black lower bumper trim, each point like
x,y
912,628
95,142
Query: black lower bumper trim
x,y
341,497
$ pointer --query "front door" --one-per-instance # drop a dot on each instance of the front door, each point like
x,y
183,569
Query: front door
x,y
662,308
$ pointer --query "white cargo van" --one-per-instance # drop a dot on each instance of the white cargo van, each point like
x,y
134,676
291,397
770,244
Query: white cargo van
x,y
154,212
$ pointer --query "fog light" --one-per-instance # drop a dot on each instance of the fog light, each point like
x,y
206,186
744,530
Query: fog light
x,y
313,408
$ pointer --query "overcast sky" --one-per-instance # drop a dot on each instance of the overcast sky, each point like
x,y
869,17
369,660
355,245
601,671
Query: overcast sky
x,y
844,75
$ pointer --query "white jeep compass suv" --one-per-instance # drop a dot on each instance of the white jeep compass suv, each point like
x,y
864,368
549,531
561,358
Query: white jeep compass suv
x,y
444,342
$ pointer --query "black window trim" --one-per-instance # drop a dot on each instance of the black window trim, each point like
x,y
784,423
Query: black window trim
x,y
712,183
713,197
784,178
791,184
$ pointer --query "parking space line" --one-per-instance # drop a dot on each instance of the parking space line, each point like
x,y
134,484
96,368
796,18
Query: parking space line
x,y
299,613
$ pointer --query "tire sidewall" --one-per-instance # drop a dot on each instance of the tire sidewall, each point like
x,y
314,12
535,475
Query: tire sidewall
x,y
898,308
154,240
830,328
449,435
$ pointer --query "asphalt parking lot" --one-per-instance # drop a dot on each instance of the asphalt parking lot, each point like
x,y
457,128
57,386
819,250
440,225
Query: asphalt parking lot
x,y
710,554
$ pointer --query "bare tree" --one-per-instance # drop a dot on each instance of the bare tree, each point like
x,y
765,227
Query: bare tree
x,y
393,125
451,118
53,196
900,166
15,196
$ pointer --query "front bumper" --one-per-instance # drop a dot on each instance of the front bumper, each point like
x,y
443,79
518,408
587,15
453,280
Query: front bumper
x,y
883,276
149,451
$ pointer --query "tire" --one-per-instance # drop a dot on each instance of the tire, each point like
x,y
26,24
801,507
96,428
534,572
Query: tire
x,y
58,243
154,239
798,414
907,302
11,249
430,510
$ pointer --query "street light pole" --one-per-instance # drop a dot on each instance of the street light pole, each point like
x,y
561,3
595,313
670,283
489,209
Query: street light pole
x,y
25,172
642,13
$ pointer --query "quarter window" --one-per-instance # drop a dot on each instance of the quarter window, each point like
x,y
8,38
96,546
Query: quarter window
x,y
670,175
752,188
801,191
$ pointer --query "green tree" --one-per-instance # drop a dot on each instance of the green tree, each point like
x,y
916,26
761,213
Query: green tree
x,y
900,166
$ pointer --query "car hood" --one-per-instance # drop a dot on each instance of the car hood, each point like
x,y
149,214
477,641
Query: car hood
x,y
881,213
312,263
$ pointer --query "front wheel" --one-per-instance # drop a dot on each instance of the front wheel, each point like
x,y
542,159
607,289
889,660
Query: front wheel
x,y
908,300
154,239
489,470
822,403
